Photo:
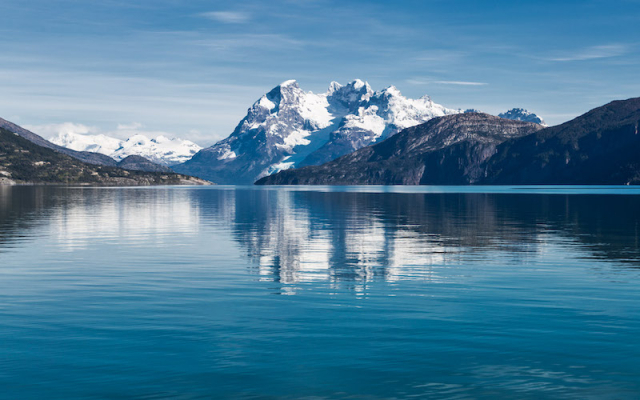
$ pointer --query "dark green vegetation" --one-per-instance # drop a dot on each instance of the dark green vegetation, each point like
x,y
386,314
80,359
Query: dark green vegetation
x,y
22,161
599,147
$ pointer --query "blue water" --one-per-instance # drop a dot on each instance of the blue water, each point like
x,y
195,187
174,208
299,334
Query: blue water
x,y
320,292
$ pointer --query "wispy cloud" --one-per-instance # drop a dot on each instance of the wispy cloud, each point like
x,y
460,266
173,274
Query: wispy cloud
x,y
244,41
461,83
228,17
439,56
50,130
592,53
122,131
430,82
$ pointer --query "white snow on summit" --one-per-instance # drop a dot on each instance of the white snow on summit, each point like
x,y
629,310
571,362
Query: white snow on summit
x,y
389,112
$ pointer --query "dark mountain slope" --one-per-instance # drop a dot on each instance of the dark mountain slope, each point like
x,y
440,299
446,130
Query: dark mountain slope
x,y
445,150
599,147
22,161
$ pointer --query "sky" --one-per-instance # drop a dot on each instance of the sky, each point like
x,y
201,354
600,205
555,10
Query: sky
x,y
192,69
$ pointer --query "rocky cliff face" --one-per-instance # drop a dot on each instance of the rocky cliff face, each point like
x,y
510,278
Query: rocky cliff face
x,y
445,150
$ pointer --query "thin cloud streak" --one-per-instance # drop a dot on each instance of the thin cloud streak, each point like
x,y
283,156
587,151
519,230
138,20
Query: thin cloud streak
x,y
245,41
593,53
228,17
459,83
122,131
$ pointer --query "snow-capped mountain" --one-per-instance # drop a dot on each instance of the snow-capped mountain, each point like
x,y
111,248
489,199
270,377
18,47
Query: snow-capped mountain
x,y
520,114
161,150
80,142
289,127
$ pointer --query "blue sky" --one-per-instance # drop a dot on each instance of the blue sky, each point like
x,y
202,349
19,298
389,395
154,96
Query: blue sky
x,y
192,69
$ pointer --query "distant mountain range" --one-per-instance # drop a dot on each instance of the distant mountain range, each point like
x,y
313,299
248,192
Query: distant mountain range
x,y
290,128
160,150
23,161
599,147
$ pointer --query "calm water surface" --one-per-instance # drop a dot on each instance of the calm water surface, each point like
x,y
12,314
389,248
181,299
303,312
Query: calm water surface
x,y
243,292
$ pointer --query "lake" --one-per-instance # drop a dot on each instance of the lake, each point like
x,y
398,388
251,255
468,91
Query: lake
x,y
320,292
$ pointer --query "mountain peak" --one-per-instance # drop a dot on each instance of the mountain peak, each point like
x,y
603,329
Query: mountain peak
x,y
290,82
351,94
520,114
354,85
333,87
358,84
392,91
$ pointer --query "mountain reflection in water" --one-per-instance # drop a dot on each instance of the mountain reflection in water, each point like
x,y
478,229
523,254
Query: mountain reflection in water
x,y
243,292
335,236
